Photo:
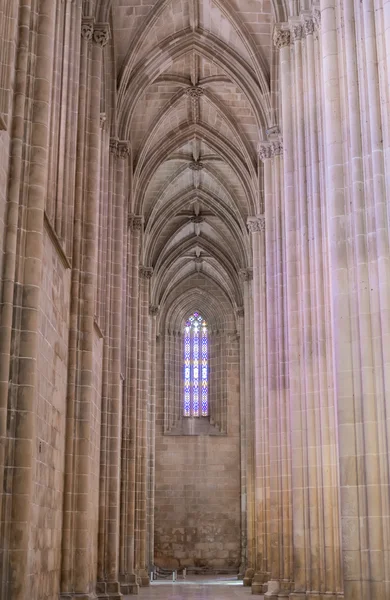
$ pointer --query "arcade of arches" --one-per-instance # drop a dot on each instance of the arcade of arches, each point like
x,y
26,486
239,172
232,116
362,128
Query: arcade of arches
x,y
161,158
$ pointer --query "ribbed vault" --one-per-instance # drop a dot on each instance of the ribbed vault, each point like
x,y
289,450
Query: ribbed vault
x,y
194,101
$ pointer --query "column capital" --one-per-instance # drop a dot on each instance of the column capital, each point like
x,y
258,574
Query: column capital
x,y
281,36
277,148
146,272
317,18
246,274
256,224
240,312
264,150
136,222
296,31
153,310
101,34
308,26
87,24
120,149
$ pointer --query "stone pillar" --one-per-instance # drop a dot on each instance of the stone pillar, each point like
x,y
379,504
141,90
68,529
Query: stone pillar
x,y
143,397
153,311
27,203
256,226
108,585
129,440
80,523
246,277
243,418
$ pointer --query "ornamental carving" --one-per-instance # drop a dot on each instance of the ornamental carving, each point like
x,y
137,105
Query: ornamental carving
x,y
103,120
317,18
308,26
240,311
246,274
277,148
281,38
197,219
146,272
123,149
296,32
153,310
113,145
196,165
265,151
194,92
256,224
87,28
101,34
136,222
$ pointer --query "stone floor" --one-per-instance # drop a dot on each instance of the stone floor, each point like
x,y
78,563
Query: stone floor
x,y
197,588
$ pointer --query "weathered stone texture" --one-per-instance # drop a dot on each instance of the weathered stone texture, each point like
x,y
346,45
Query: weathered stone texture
x,y
46,526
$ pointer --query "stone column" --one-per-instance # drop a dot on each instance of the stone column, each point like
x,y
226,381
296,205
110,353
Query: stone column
x,y
80,522
246,277
243,417
256,226
108,586
129,440
143,397
153,312
18,400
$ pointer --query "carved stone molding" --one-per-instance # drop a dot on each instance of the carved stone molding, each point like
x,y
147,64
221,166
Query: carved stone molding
x,y
87,25
277,148
281,38
240,312
194,92
136,222
296,32
265,151
146,272
101,34
123,149
196,165
317,18
308,26
256,224
153,310
246,274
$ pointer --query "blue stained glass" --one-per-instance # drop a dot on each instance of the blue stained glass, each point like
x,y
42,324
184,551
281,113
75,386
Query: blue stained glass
x,y
195,367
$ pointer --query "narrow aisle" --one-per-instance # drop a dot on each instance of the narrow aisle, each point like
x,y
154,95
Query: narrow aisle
x,y
197,587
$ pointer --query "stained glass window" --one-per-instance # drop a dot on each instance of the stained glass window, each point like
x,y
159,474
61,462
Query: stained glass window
x,y
196,380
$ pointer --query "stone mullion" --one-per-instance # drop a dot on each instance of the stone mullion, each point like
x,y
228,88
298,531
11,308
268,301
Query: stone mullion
x,y
18,556
127,574
142,412
256,226
11,241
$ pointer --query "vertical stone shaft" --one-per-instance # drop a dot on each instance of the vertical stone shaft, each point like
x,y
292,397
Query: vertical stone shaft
x,y
23,466
127,574
17,151
243,418
142,429
256,226
152,434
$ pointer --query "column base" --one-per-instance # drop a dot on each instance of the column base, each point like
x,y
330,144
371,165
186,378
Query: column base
x,y
143,578
129,587
259,583
77,596
108,590
248,577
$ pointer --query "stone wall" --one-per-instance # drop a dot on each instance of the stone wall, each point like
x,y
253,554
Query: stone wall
x,y
46,527
197,497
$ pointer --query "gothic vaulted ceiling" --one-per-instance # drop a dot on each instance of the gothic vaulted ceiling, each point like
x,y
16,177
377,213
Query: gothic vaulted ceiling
x,y
194,101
